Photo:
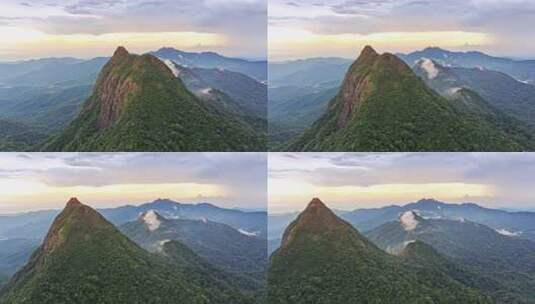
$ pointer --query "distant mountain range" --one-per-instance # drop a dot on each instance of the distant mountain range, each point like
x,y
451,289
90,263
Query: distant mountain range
x,y
14,253
237,252
302,73
211,60
48,94
500,265
254,222
323,259
517,224
299,94
501,91
85,259
230,92
522,70
51,71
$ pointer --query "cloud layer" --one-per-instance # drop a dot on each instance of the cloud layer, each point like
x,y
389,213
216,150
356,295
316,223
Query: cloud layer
x,y
356,179
242,23
508,22
233,179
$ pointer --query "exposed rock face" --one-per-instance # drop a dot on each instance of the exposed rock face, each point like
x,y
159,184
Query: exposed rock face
x,y
352,94
356,84
114,85
317,214
112,94
75,215
316,218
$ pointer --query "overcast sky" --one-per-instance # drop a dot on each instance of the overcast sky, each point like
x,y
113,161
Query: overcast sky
x,y
90,28
32,181
309,28
363,180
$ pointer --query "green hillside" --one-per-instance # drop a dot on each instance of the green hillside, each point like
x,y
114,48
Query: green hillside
x,y
85,259
501,266
16,136
323,259
224,247
206,275
138,105
384,106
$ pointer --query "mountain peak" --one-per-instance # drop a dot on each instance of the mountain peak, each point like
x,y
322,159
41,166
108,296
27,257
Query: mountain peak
x,y
162,200
121,52
117,83
435,49
359,78
74,218
73,201
316,203
317,212
428,201
162,203
393,63
368,52
317,218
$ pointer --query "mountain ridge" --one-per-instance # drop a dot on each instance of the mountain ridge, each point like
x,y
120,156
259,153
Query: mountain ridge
x,y
461,243
384,106
139,105
523,70
256,69
226,248
84,259
324,259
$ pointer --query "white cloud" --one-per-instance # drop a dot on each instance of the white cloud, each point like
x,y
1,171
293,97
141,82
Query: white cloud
x,y
151,220
241,22
507,23
429,67
247,233
376,179
506,232
238,179
409,221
